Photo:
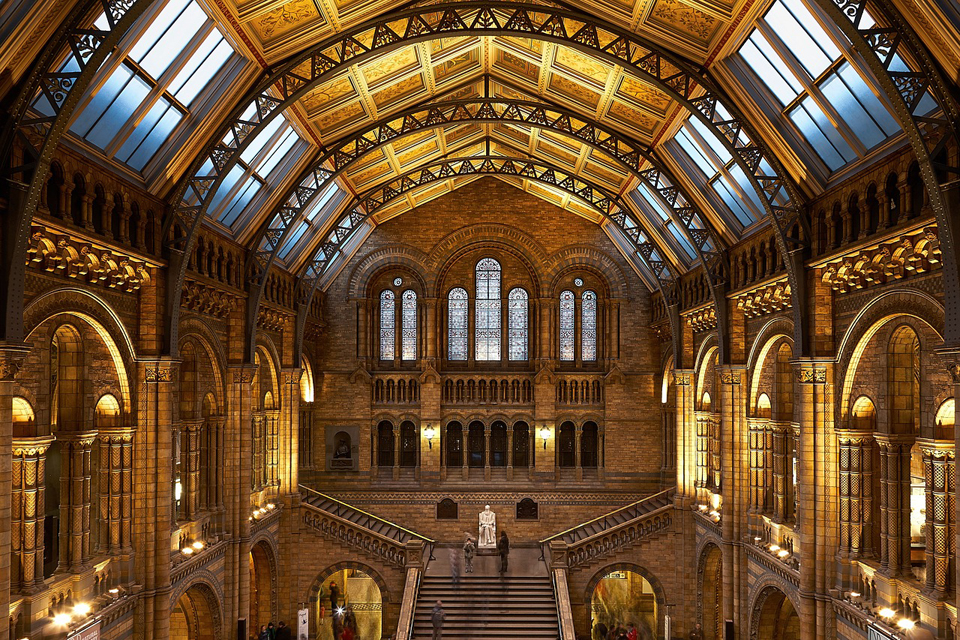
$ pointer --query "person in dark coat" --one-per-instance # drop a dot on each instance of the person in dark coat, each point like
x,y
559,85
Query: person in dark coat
x,y
469,551
437,616
697,633
284,632
264,634
503,548
334,597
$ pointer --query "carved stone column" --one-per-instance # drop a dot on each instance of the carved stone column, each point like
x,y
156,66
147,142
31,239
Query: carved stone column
x,y
577,459
115,496
486,448
190,468
894,502
256,475
396,452
75,499
271,452
756,427
703,425
855,493
781,432
465,450
29,456
940,492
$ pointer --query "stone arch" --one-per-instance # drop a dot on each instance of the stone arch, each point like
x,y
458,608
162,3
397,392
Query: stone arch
x,y
410,258
658,591
264,606
200,331
205,598
772,600
897,303
710,582
590,258
270,359
775,337
99,316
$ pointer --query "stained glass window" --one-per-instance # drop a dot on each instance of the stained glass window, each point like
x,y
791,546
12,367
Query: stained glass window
x,y
517,324
388,325
488,310
409,325
568,306
457,324
588,327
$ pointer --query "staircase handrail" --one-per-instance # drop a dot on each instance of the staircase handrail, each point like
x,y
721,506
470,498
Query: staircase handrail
x,y
369,515
561,594
606,524
408,607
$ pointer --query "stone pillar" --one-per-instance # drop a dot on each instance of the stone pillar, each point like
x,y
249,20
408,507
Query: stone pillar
x,y
939,490
75,500
465,450
288,434
756,428
578,461
855,495
28,507
703,426
430,346
768,481
509,452
686,435
257,445
271,470
781,432
486,444
115,498
730,464
396,451
894,503
190,468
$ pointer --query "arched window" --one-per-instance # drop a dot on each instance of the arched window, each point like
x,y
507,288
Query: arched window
x,y
517,329
568,305
457,324
488,310
409,325
388,325
588,327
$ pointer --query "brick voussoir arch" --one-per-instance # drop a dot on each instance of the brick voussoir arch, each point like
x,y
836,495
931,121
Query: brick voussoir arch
x,y
763,589
581,256
313,595
395,255
659,594
209,586
479,239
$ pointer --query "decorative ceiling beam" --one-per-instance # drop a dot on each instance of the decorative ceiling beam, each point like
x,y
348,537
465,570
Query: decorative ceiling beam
x,y
648,61
37,119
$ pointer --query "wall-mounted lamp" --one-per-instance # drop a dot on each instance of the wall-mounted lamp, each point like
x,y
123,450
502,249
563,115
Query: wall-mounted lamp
x,y
544,434
429,432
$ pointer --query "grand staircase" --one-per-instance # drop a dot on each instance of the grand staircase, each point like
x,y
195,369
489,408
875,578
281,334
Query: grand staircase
x,y
367,521
516,607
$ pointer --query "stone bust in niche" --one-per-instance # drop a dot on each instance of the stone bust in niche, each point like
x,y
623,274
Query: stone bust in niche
x,y
343,450
342,454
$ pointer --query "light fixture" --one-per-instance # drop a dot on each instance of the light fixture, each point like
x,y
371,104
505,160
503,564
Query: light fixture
x,y
82,609
114,591
886,612
783,553
854,594
429,432
544,434
715,500
271,506
198,545
187,551
341,611
61,619
906,624
757,538
774,548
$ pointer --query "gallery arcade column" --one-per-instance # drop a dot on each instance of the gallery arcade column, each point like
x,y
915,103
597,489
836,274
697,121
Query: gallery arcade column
x,y
11,359
856,500
238,446
29,456
939,492
289,432
733,464
686,426
75,499
153,493
895,502
115,495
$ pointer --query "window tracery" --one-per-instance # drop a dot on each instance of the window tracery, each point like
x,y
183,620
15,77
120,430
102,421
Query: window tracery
x,y
517,324
457,324
588,327
568,306
409,325
488,330
388,327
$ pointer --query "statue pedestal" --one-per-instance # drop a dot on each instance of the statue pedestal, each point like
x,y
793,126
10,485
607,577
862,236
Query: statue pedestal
x,y
486,551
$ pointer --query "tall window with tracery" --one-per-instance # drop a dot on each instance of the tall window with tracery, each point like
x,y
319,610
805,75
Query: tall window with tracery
x,y
517,329
408,325
488,310
588,326
457,324
388,325
568,307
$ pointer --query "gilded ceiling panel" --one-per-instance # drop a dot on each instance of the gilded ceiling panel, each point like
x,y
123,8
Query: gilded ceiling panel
x,y
328,94
390,66
583,65
418,153
362,178
574,91
633,118
329,121
515,134
456,65
398,91
517,65
558,154
645,94
461,133
446,44
531,45
683,20
293,15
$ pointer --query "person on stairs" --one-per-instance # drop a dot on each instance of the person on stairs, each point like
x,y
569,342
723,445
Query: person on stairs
x,y
469,551
437,616
503,548
455,567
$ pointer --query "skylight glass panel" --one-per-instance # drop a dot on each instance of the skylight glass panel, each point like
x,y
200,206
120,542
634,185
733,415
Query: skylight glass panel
x,y
710,138
240,201
857,104
733,201
293,239
822,134
805,38
147,137
261,139
694,152
322,201
654,201
155,57
279,151
769,66
203,65
681,239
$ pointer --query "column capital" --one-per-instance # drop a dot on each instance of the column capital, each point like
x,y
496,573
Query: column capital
x,y
242,373
291,375
32,446
159,370
12,355
117,435
683,377
894,439
937,448
82,438
847,436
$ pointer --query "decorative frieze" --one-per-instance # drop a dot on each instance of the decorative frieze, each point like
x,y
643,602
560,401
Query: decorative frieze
x,y
908,254
207,299
768,299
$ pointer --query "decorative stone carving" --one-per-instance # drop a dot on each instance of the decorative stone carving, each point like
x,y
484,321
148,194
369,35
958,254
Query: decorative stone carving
x,y
487,537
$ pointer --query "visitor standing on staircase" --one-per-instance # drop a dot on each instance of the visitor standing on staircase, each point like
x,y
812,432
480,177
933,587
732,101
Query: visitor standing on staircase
x,y
469,551
455,567
503,548
437,616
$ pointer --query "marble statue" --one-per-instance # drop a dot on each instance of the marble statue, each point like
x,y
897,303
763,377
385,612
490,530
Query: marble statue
x,y
487,539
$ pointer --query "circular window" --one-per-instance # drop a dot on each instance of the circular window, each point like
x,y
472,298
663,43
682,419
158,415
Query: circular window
x,y
578,282
397,282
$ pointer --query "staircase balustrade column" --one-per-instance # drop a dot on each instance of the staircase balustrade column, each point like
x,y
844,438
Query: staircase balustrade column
x,y
27,513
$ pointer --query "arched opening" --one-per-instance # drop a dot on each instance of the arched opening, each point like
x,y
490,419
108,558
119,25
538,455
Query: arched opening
x,y
622,599
711,594
107,412
566,446
348,598
706,402
763,406
453,445
498,444
946,414
776,618
385,445
521,445
477,444
23,417
589,445
195,616
343,446
409,444
261,587
306,381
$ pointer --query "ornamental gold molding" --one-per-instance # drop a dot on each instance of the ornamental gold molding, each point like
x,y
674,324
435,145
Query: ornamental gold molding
x,y
32,446
765,300
158,373
811,376
909,254
72,257
681,379
730,377
203,298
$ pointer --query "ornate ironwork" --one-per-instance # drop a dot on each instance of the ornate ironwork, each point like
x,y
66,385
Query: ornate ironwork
x,y
906,73
364,206
638,56
60,75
